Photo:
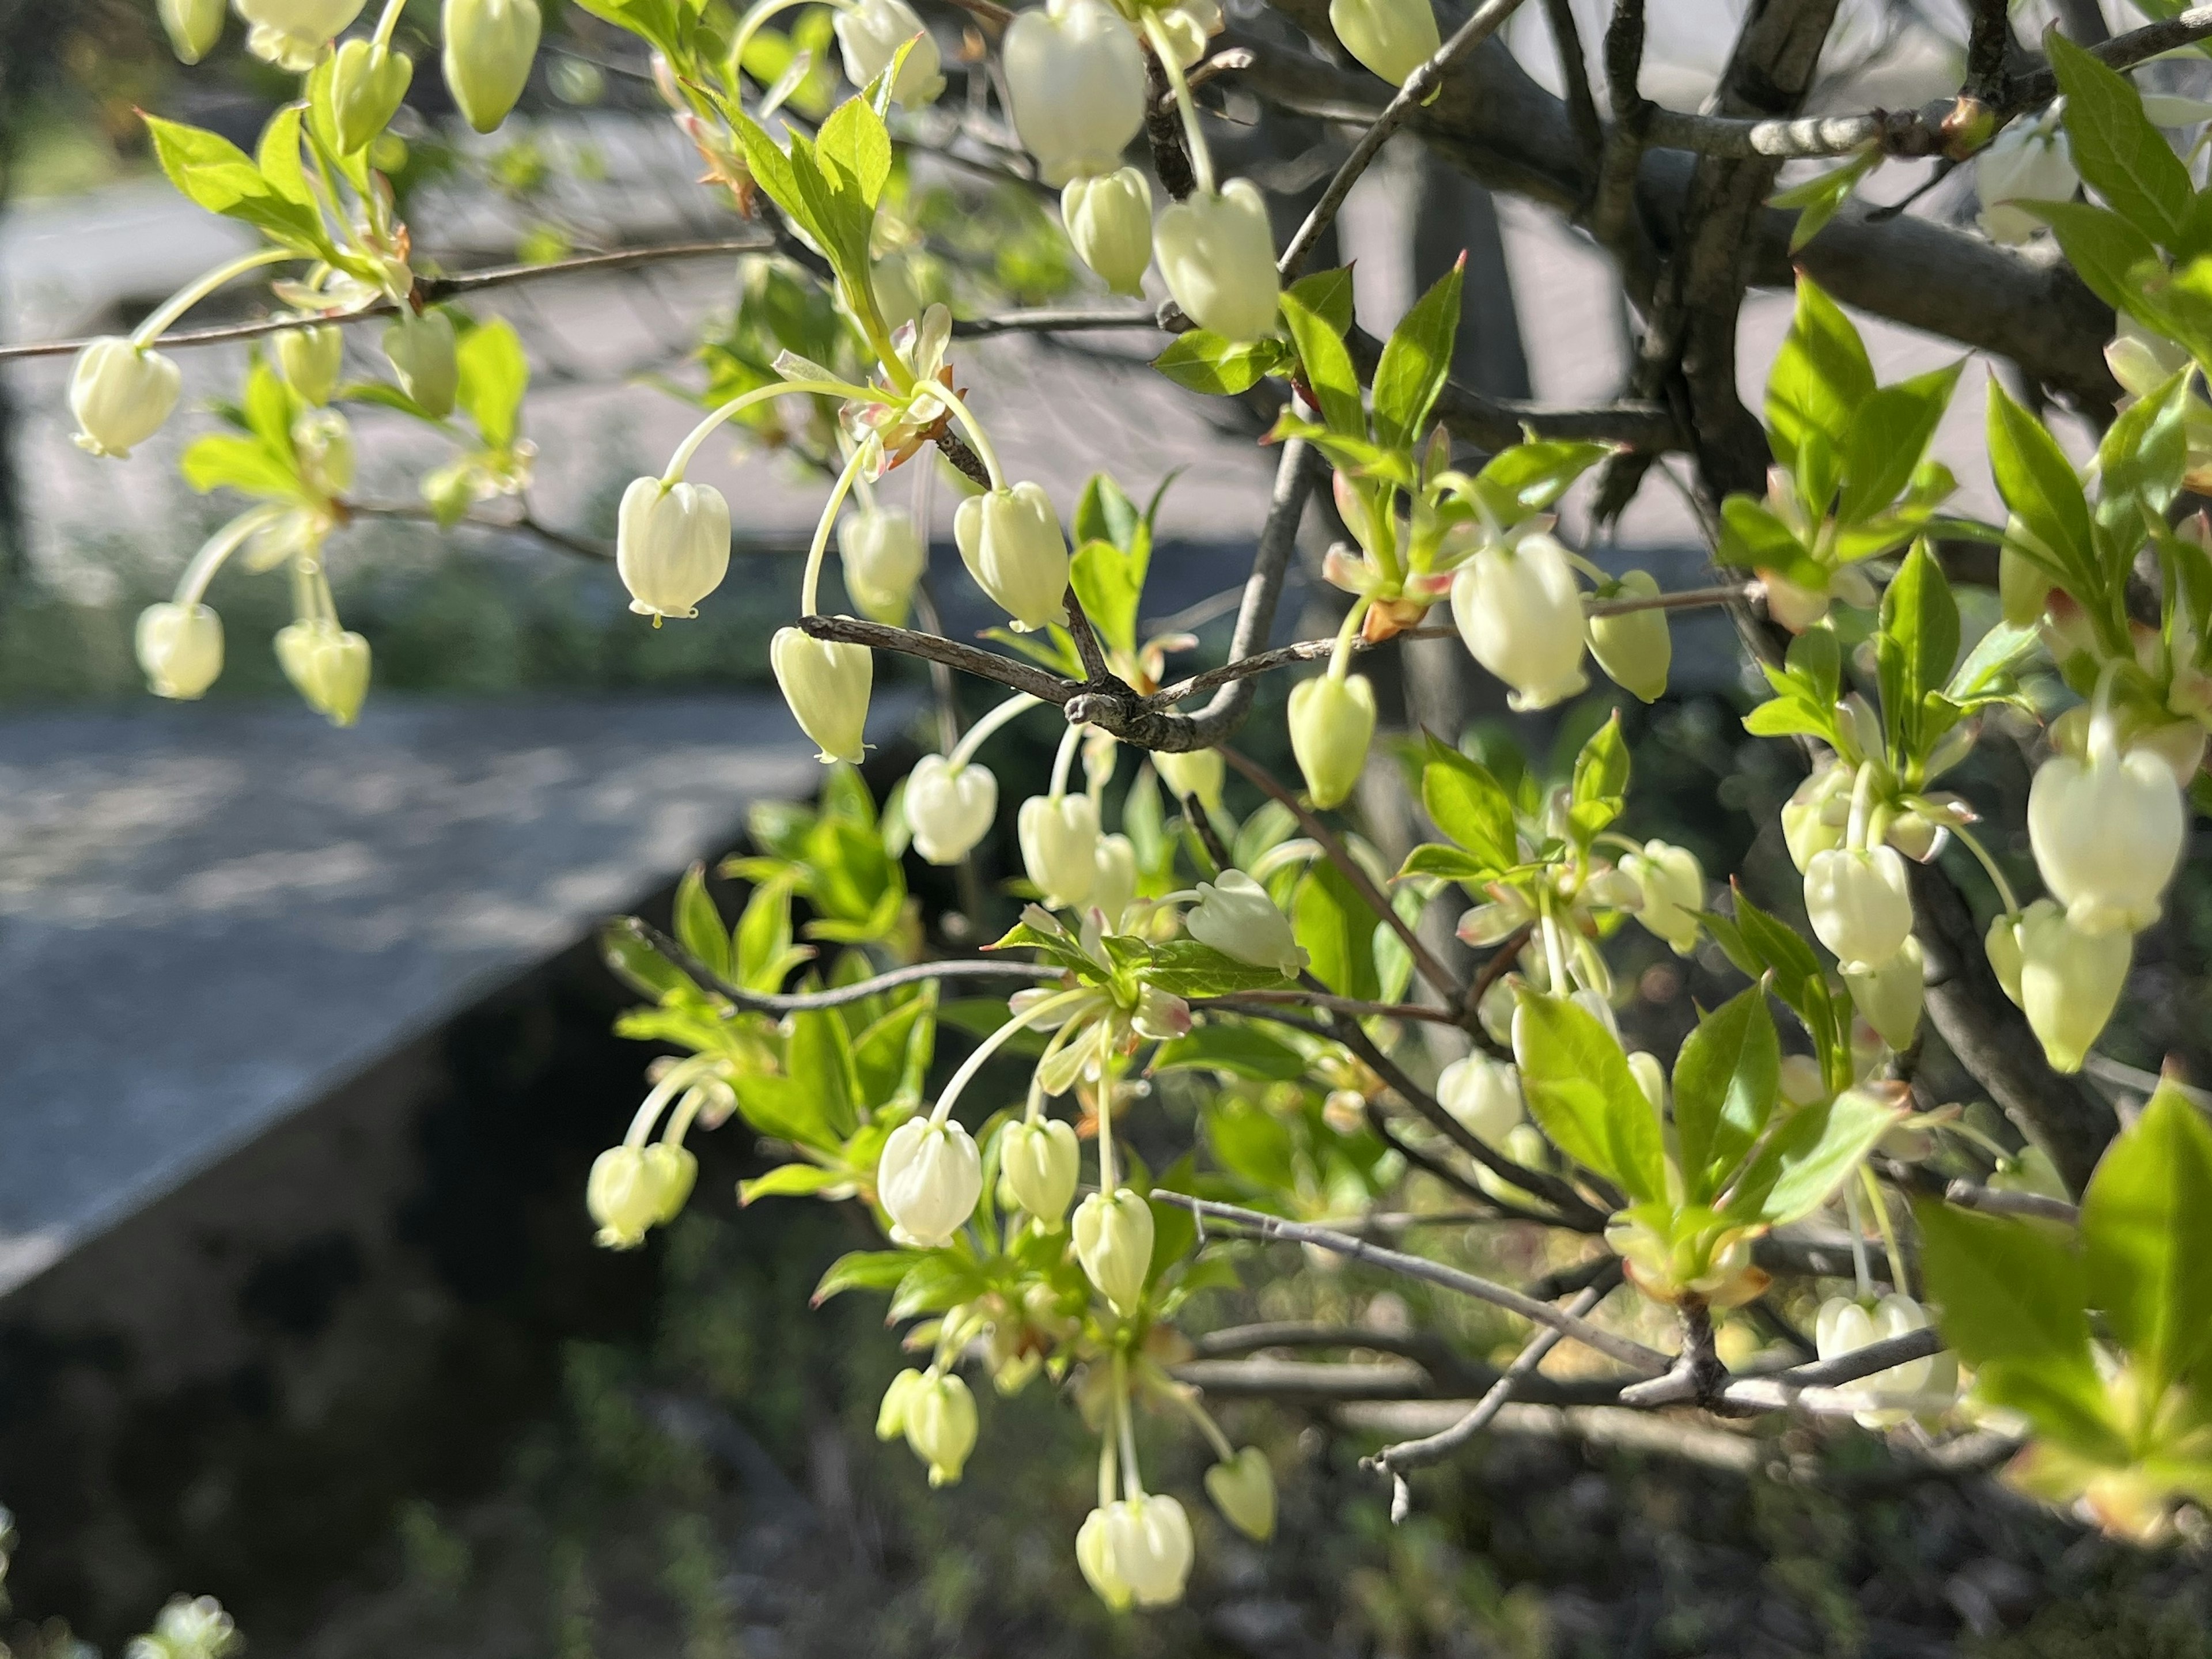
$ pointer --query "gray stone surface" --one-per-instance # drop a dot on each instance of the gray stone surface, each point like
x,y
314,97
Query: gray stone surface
x,y
210,917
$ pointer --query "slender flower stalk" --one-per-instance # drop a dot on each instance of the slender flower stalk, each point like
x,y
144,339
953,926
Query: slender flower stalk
x,y
158,321
737,405
965,751
1201,158
991,1044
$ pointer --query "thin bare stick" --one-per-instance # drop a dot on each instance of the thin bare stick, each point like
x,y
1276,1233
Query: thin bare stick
x,y
1334,1004
1435,1447
1486,21
1782,1390
1650,1362
1966,1195
934,648
1050,320
764,1002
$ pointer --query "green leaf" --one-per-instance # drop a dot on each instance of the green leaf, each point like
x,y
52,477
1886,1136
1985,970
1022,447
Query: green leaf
x,y
1235,1047
214,172
222,459
2140,464
1887,436
1327,366
1995,655
1789,716
862,1270
1204,362
277,156
1328,295
630,957
1916,645
2125,158
1819,198
784,1108
1726,1077
856,141
1111,587
495,373
884,1050
1600,790
818,1057
770,167
934,1283
1809,1156
2009,1290
2038,484
699,927
1578,1088
1529,477
1337,932
1184,967
1416,360
2103,248
1468,804
1754,538
2147,1234
1820,377
1251,1143
1430,859
794,1181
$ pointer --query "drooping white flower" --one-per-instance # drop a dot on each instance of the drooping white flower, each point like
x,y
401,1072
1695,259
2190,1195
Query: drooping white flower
x,y
193,26
1218,255
938,1417
1859,902
1235,915
1076,79
120,395
927,1180
1114,886
883,555
1634,648
1137,1549
1011,542
1244,1489
1109,221
310,359
2068,982
950,808
2107,832
292,34
1200,772
1059,838
1889,995
423,353
1672,883
180,648
1844,1327
1113,1242
1392,38
826,683
1484,1094
2028,161
328,666
671,545
1521,615
871,33
368,82
1039,1160
1332,723
632,1189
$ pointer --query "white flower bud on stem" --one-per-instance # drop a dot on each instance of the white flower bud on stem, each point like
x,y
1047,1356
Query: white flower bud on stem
x,y
1332,721
1235,915
489,47
1521,615
1109,222
1076,79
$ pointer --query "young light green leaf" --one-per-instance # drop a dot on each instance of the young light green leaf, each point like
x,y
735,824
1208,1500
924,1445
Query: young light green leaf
x,y
1726,1077
856,141
1809,1156
222,460
794,1181
2146,1233
494,374
2105,250
1203,362
1338,931
1236,1050
214,172
1327,294
1417,361
862,1270
1819,378
2008,1289
2038,484
1467,803
1529,477
699,924
1888,435
2125,158
1917,643
1600,789
1819,198
818,1057
1577,1086
277,156
1327,366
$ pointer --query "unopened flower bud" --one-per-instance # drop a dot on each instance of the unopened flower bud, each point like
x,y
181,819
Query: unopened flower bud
x,y
328,666
1109,221
1217,254
1803,1082
2107,832
1114,887
672,546
1244,1490
1673,885
1059,847
1136,1549
2028,161
1633,648
490,46
1113,1242
1888,996
1076,81
2069,980
1521,615
1844,1327
310,359
120,395
1011,542
1189,24
1039,1161
1235,915
368,82
938,1416
193,26
292,34
950,808
870,34
884,557
1392,38
1332,722
632,1189
180,648
422,352
1815,816
1483,1094
322,443
890,1415
826,684
927,1180
1200,772
1859,903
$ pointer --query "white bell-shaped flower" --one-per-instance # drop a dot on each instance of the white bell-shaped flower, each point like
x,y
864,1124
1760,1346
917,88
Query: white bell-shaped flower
x,y
1109,221
1060,846
1859,902
292,34
927,1180
490,46
2028,161
1392,38
322,442
424,358
1218,255
1076,79
950,808
871,33
1235,915
883,555
1140,1551
633,1189
180,648
1484,1094
2107,832
1115,886
1817,813
368,81
1113,1242
1672,883
937,1414
193,26
1011,542
1844,1327
1521,615
672,546
312,358
2068,982
826,682
1889,995
120,395
1244,1489
328,666
1200,772
1633,646
1189,24
1332,723
1039,1160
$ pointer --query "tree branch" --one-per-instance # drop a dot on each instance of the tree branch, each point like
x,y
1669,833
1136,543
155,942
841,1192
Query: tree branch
x,y
1966,1195
935,647
764,1002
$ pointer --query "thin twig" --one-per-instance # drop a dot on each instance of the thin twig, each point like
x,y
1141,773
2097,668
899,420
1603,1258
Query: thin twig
x,y
1053,320
1966,1195
525,523
935,647
1484,22
1435,1447
1781,1389
1647,1361
765,1002
1334,1004
1574,71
